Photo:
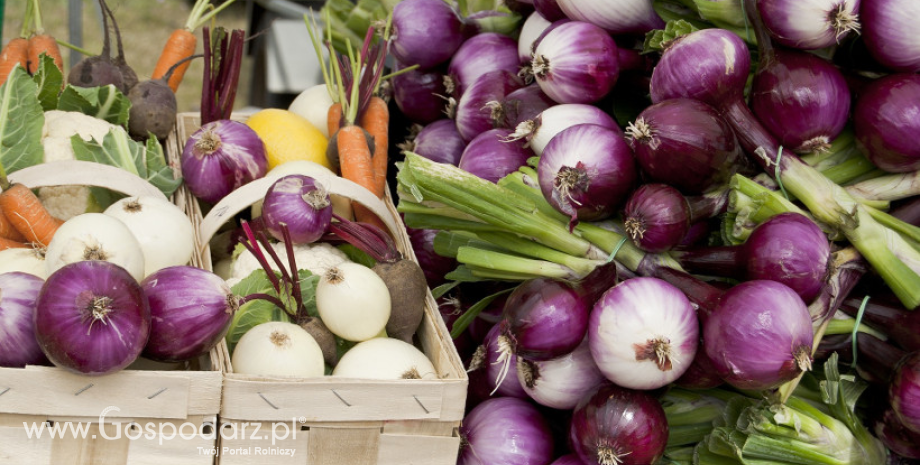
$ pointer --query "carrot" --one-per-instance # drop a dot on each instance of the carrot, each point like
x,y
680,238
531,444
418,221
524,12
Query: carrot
x,y
8,231
15,52
27,214
180,45
356,165
11,244
334,118
44,43
376,121
182,42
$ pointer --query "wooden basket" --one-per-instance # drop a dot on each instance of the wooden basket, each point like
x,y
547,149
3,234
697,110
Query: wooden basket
x,y
128,417
334,420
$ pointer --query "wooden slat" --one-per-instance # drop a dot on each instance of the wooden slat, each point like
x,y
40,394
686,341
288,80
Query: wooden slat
x,y
337,446
182,448
52,391
261,451
417,450
333,399
420,428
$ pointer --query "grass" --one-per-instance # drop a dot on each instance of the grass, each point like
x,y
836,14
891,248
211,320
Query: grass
x,y
145,25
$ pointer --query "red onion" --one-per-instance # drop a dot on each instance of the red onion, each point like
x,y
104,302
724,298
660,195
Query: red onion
x,y
896,437
701,374
576,62
505,430
18,346
496,359
549,9
657,217
619,426
904,391
788,248
221,156
420,94
532,28
92,317
433,265
538,131
885,123
190,310
616,16
440,141
302,204
561,382
643,333
568,459
523,104
885,313
478,55
810,24
490,157
759,335
686,144
586,171
801,99
425,32
474,113
890,33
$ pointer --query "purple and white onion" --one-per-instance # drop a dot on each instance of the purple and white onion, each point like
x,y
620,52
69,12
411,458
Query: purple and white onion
x,y
656,217
538,131
18,346
221,156
561,382
476,112
576,62
490,156
890,33
478,55
616,16
299,203
810,24
505,430
440,141
885,123
425,32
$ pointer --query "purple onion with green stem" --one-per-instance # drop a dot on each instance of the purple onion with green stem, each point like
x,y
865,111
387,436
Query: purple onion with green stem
x,y
759,336
788,248
686,144
92,318
586,171
18,346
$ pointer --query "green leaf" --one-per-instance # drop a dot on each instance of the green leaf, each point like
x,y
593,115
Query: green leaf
x,y
116,149
49,80
357,255
105,102
21,122
159,173
657,40
308,282
256,282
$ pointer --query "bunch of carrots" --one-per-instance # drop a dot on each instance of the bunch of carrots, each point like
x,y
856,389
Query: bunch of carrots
x,y
24,221
33,41
182,42
358,120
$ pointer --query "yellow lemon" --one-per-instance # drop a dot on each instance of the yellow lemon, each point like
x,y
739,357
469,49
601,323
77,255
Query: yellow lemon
x,y
288,136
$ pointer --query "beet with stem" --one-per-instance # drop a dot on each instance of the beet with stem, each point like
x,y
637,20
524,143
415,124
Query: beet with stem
x,y
154,106
102,69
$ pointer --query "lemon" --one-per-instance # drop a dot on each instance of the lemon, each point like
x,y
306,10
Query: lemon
x,y
288,136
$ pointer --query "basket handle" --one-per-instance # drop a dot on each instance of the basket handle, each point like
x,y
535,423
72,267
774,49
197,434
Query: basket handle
x,y
84,173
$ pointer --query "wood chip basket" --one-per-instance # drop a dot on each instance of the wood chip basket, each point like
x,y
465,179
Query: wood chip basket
x,y
167,416
335,421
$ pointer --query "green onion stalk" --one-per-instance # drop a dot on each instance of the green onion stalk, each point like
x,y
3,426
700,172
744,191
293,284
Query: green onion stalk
x,y
815,426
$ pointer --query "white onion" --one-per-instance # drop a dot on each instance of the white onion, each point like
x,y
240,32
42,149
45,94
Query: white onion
x,y
561,382
385,358
313,104
643,333
95,236
164,231
278,349
353,302
26,260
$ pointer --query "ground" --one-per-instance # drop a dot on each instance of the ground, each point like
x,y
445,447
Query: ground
x,y
145,25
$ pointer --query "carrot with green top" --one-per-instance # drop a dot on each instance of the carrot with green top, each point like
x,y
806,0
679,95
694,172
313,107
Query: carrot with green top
x,y
182,42
42,43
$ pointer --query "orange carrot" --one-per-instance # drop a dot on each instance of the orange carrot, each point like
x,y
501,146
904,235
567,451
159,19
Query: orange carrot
x,y
180,46
8,231
44,43
376,121
356,165
334,118
11,244
15,52
27,214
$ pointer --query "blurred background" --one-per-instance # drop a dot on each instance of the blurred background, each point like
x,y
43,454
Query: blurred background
x,y
278,64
